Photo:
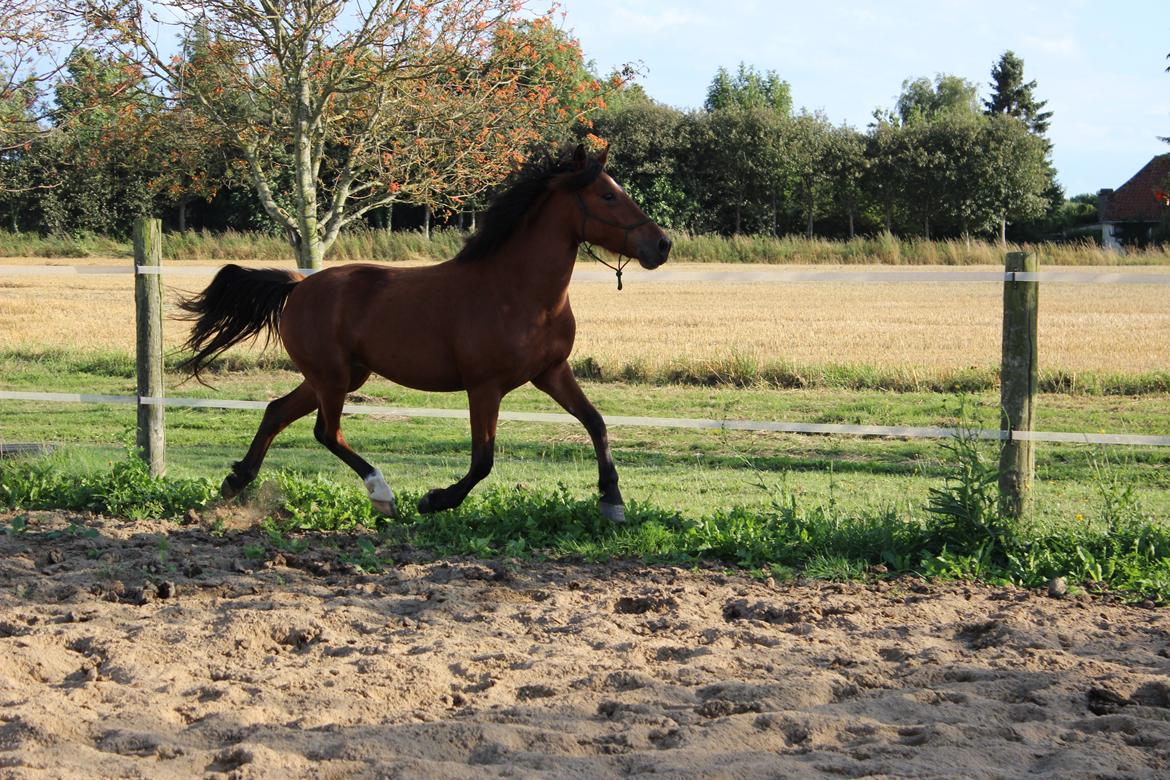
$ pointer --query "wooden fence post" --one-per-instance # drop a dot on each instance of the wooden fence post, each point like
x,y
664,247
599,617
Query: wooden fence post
x,y
151,437
1017,460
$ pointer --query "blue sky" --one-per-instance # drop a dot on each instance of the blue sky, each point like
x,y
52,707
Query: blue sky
x,y
1099,65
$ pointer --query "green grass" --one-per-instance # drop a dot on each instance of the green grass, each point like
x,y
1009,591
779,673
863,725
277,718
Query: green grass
x,y
686,470
366,244
957,535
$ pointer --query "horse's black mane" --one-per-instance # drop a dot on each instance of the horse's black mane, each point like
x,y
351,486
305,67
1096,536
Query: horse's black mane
x,y
508,209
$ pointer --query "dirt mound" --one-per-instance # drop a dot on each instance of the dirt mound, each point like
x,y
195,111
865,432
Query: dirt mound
x,y
132,649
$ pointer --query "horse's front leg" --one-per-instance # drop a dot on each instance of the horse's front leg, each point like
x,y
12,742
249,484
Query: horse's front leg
x,y
484,405
559,382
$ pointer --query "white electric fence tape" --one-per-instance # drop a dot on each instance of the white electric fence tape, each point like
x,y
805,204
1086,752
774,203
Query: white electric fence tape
x,y
888,431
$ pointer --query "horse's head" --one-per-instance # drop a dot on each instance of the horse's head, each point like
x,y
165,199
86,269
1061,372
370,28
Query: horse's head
x,y
611,219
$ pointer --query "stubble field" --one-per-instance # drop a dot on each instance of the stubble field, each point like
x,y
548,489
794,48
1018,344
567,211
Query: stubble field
x,y
916,329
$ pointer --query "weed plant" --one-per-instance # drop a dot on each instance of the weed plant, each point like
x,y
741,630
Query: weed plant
x,y
125,489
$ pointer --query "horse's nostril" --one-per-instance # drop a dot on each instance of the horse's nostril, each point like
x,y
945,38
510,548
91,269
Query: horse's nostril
x,y
664,246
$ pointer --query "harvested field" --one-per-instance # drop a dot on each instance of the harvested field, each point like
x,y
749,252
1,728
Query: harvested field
x,y
925,327
149,649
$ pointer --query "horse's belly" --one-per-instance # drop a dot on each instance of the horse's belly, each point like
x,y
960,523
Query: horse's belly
x,y
415,364
430,382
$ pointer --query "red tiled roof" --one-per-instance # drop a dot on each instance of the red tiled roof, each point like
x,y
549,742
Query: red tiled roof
x,y
1135,200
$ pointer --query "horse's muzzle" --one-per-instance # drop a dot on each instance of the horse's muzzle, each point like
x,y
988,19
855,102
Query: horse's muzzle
x,y
652,255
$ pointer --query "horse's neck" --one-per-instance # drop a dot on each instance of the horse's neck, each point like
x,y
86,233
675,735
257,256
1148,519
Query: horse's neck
x,y
539,262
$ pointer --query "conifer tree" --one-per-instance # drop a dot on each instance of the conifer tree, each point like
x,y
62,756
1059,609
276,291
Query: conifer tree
x,y
1013,96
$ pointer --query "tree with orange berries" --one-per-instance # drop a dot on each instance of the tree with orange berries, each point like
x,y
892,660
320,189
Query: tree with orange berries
x,y
37,38
338,107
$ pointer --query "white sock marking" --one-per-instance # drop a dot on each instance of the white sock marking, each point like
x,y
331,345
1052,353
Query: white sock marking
x,y
378,489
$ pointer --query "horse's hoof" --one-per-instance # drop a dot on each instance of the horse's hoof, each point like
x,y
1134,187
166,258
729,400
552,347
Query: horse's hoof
x,y
427,504
614,513
228,489
388,508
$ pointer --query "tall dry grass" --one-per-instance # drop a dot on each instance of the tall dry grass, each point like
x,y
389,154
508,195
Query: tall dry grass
x,y
381,245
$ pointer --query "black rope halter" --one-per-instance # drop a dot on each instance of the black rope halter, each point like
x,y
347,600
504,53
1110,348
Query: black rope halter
x,y
586,216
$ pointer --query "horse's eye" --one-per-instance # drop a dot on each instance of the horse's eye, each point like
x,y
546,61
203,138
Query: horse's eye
x,y
609,196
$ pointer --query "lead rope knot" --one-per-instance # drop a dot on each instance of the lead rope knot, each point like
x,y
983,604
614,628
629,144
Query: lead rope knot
x,y
617,269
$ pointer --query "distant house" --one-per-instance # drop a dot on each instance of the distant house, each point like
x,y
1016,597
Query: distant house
x,y
1130,213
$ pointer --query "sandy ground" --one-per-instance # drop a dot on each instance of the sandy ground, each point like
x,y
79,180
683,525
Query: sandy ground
x,y
155,650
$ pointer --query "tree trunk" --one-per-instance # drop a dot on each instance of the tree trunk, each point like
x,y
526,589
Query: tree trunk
x,y
852,232
738,217
1003,231
471,222
310,250
775,217
890,216
427,223
926,226
389,219
808,232
311,254
183,215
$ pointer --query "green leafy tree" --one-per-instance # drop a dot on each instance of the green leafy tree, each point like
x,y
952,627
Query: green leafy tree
x,y
966,173
735,151
845,165
749,89
925,151
809,142
735,146
646,142
1017,178
885,176
924,100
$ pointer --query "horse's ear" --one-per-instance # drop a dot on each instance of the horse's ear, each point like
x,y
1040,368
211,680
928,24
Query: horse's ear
x,y
579,157
601,158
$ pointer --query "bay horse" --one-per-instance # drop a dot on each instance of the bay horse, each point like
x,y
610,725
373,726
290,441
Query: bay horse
x,y
492,318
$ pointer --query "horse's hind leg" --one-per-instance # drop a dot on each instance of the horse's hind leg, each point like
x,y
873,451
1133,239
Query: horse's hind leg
x,y
279,414
331,400
559,382
484,405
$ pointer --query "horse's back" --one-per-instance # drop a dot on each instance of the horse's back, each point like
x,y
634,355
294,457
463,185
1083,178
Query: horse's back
x,y
394,321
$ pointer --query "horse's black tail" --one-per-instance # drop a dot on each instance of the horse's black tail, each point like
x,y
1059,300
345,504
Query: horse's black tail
x,y
240,303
